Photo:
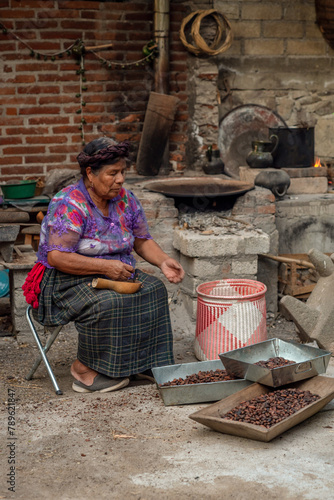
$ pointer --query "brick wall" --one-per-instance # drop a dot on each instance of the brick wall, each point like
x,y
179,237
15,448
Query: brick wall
x,y
41,112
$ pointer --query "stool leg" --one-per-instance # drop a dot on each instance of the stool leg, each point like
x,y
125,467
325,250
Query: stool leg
x,y
42,353
51,338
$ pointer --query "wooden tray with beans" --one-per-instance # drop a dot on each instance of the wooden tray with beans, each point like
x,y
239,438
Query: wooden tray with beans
x,y
262,413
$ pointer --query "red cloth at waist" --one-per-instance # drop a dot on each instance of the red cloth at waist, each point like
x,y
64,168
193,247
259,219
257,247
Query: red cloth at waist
x,y
31,287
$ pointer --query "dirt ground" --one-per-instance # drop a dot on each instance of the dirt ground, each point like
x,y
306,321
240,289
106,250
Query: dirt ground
x,y
128,445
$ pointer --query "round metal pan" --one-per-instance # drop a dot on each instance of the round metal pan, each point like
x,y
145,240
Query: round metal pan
x,y
239,128
192,187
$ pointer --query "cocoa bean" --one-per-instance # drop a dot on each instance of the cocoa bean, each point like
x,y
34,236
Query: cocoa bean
x,y
274,362
201,378
269,409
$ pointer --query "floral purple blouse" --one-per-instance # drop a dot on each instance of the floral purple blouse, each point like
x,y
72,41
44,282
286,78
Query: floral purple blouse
x,y
74,224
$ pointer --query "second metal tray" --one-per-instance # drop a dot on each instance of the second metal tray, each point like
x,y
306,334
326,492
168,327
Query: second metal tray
x,y
309,362
194,393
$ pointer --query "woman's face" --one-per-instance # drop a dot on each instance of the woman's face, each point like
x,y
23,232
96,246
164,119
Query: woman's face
x,y
108,182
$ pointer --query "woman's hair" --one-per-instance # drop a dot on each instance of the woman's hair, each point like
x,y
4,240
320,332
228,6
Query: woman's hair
x,y
100,152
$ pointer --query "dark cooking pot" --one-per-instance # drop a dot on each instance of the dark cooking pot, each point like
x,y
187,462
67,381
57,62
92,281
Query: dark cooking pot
x,y
295,147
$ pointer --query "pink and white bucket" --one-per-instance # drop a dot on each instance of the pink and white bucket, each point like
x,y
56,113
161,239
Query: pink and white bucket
x,y
231,314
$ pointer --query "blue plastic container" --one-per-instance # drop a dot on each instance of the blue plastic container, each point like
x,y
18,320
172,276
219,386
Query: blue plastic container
x,y
4,283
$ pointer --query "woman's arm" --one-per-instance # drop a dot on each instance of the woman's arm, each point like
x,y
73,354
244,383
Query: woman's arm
x,y
152,253
74,263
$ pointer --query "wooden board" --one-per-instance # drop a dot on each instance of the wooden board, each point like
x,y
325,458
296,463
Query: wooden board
x,y
211,416
158,121
12,217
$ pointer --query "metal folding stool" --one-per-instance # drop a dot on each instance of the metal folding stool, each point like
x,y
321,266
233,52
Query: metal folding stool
x,y
53,333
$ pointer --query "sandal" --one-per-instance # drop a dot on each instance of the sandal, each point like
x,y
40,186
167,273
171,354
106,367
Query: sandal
x,y
101,383
146,375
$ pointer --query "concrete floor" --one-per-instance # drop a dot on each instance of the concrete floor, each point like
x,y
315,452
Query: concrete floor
x,y
128,445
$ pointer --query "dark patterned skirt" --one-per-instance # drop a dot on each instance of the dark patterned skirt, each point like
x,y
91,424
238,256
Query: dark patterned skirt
x,y
119,334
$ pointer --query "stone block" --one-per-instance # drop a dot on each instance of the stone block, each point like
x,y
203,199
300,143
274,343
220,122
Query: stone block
x,y
306,172
311,185
200,267
190,304
248,174
246,267
261,11
189,285
281,29
264,47
305,47
256,244
194,244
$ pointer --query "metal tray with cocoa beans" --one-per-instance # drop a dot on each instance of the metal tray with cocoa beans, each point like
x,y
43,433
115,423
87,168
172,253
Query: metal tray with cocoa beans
x,y
236,414
299,362
188,383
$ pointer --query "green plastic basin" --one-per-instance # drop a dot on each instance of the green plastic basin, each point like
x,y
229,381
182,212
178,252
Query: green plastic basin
x,y
22,189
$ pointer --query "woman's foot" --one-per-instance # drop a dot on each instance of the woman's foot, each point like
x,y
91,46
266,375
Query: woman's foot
x,y
101,383
146,375
82,373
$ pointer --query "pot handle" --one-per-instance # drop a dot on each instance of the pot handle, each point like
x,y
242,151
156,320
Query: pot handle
x,y
273,136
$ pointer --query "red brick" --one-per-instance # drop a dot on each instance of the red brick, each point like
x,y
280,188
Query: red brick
x,y
32,66
17,101
90,14
11,111
34,4
58,99
46,159
78,24
65,129
10,160
77,5
22,79
51,120
15,14
24,150
14,122
69,77
20,170
44,139
58,14
7,91
267,209
61,35
64,149
10,140
7,45
40,110
35,24
39,89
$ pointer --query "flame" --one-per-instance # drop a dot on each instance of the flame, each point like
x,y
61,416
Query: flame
x,y
317,163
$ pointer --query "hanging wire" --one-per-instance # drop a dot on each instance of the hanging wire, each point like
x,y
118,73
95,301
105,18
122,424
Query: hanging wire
x,y
33,52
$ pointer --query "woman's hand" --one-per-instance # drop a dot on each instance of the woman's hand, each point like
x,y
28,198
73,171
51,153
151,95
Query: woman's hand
x,y
74,263
172,270
118,271
152,253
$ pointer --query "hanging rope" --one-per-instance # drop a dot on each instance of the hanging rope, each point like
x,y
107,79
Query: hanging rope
x,y
223,37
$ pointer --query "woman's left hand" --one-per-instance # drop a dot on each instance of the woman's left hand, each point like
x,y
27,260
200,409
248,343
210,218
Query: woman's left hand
x,y
172,270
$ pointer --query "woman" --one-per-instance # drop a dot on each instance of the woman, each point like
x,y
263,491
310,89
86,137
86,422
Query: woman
x,y
90,231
